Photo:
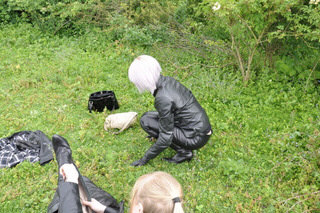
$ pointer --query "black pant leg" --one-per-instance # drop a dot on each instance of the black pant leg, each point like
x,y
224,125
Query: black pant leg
x,y
189,143
149,122
69,198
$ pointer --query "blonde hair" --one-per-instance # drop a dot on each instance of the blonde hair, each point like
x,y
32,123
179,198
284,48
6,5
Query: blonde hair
x,y
156,191
144,72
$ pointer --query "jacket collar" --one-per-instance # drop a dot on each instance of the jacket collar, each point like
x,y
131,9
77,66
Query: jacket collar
x,y
158,85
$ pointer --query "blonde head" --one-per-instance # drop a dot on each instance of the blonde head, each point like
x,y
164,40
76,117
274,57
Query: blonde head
x,y
155,192
144,72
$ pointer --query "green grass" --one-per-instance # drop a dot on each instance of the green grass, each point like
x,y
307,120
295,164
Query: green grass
x,y
263,156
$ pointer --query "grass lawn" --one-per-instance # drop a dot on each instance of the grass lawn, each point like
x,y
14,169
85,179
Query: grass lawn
x,y
263,156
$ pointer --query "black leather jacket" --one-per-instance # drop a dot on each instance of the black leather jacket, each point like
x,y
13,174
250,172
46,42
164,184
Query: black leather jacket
x,y
177,107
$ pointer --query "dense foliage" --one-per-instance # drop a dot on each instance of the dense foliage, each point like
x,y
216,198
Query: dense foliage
x,y
255,36
252,64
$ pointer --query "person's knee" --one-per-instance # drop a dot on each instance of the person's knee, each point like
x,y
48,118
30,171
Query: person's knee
x,y
146,119
143,120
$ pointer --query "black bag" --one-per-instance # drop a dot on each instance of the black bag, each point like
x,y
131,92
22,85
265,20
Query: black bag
x,y
99,100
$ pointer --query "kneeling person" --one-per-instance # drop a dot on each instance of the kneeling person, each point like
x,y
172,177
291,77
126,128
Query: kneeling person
x,y
179,121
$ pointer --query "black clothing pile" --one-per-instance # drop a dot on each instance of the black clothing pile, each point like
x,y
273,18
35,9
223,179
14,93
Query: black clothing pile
x,y
25,145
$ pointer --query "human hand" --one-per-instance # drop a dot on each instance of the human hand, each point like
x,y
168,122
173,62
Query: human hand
x,y
139,162
94,205
69,173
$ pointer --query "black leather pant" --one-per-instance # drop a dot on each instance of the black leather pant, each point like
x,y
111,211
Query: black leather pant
x,y
150,123
67,198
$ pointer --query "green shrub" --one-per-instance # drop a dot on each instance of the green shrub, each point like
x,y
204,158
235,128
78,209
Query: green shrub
x,y
255,31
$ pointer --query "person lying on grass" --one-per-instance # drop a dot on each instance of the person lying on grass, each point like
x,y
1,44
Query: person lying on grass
x,y
153,192
179,121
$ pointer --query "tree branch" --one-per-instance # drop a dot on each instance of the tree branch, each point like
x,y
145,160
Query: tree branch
x,y
238,56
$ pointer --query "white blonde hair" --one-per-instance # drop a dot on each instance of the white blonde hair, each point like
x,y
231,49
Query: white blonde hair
x,y
144,72
155,192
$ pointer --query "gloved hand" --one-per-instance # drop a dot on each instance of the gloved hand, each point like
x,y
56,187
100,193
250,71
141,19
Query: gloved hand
x,y
139,162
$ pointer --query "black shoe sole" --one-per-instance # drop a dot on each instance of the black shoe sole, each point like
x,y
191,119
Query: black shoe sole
x,y
176,162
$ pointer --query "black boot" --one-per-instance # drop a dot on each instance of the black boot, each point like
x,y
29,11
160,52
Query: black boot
x,y
62,150
63,156
181,156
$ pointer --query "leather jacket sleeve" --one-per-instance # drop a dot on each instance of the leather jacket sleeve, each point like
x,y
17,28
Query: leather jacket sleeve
x,y
166,126
69,198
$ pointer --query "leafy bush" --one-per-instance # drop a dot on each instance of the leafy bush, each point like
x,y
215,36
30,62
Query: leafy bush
x,y
134,22
252,29
253,36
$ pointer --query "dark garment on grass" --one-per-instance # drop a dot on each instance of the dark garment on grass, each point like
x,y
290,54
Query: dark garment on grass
x,y
179,119
25,145
67,198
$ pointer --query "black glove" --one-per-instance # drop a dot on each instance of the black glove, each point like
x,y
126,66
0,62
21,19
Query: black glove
x,y
140,162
